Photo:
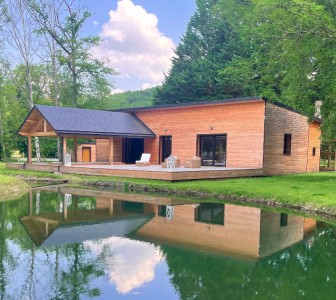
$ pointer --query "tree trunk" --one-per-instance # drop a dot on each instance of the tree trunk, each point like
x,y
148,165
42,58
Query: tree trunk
x,y
31,104
74,88
2,140
55,94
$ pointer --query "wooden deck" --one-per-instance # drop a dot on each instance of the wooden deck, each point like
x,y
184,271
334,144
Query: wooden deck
x,y
149,172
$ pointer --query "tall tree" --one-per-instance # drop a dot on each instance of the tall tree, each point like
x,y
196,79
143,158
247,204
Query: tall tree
x,y
293,53
63,20
19,30
208,45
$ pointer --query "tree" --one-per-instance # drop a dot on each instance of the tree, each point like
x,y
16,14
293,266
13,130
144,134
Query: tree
x,y
293,54
208,45
63,20
19,30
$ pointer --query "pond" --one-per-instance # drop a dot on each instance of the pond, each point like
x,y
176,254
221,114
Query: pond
x,y
65,243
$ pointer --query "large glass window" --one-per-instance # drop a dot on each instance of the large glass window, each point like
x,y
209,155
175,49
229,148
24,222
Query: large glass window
x,y
213,150
211,213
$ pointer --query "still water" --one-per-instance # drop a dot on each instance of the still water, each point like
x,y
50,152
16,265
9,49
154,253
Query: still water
x,y
64,243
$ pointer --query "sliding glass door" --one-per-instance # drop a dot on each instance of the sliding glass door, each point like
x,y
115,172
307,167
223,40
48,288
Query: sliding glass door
x,y
213,150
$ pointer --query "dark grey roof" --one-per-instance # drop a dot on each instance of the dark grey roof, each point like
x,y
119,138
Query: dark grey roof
x,y
195,103
66,120
213,102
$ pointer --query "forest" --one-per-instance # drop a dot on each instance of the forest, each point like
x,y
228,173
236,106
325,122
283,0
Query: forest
x,y
282,50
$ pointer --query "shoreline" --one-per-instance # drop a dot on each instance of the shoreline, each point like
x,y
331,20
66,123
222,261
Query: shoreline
x,y
308,193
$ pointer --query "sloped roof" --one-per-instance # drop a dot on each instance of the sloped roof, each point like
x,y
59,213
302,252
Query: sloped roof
x,y
212,102
66,120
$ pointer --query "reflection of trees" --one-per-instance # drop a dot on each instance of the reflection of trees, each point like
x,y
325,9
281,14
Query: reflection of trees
x,y
307,268
3,251
63,272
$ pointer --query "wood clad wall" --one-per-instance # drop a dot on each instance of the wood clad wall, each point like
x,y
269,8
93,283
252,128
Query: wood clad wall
x,y
314,142
274,237
278,122
80,152
102,150
239,235
242,122
117,150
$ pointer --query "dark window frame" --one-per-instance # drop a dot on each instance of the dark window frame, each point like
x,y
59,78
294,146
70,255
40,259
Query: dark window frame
x,y
287,150
198,214
162,211
283,219
314,151
215,136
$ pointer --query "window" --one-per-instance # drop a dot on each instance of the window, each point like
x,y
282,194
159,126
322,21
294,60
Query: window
x,y
314,151
283,219
211,213
213,150
133,207
162,211
287,144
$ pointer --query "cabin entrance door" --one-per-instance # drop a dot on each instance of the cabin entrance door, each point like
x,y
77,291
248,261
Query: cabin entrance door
x,y
213,150
132,150
166,146
86,154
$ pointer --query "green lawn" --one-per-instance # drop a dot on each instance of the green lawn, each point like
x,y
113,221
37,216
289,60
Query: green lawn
x,y
312,189
11,187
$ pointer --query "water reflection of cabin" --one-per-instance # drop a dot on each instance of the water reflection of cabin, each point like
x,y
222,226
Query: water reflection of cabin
x,y
223,228
237,137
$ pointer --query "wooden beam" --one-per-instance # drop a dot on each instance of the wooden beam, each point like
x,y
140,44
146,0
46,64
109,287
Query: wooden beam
x,y
30,196
39,133
29,154
44,125
64,144
110,160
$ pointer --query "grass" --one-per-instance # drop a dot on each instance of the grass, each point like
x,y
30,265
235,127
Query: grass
x,y
11,187
311,189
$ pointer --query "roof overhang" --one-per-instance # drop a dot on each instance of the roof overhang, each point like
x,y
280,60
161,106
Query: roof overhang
x,y
36,124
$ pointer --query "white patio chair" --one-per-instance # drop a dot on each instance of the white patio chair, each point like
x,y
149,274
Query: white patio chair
x,y
144,160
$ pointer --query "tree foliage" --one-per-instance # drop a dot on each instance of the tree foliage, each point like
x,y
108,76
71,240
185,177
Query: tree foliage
x,y
281,50
208,46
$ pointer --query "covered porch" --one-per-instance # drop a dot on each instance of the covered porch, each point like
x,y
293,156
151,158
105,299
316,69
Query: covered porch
x,y
94,136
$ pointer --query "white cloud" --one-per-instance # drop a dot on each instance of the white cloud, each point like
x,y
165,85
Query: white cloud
x,y
95,23
129,264
117,91
147,85
134,45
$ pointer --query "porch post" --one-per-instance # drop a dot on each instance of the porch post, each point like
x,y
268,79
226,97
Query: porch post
x,y
111,207
75,150
30,197
110,150
29,154
64,148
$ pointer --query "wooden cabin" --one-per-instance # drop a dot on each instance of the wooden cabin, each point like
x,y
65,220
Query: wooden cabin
x,y
240,133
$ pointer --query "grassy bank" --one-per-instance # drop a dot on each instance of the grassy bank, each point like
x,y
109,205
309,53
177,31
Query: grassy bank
x,y
314,190
11,187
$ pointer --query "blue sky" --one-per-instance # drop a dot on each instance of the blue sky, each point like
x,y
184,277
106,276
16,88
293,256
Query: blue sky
x,y
138,37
